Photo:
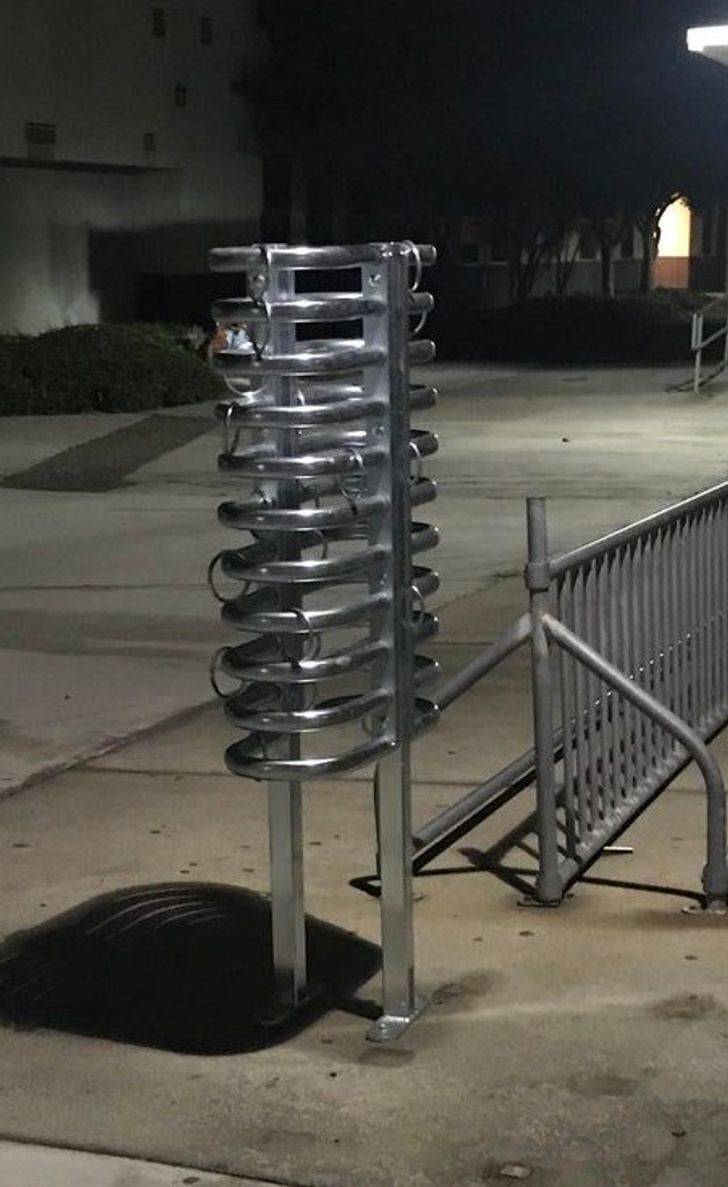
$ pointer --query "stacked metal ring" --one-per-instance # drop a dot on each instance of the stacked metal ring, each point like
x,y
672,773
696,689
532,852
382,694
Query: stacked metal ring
x,y
309,427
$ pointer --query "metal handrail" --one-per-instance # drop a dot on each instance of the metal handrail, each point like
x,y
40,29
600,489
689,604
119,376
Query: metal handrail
x,y
698,343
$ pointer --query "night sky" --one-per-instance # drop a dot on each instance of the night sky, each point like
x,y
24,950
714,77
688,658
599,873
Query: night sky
x,y
454,104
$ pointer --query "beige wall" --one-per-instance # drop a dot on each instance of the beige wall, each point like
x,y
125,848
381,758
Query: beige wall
x,y
75,231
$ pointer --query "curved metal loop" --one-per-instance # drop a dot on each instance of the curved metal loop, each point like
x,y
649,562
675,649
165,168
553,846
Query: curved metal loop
x,y
350,485
259,347
374,724
245,585
324,543
229,444
415,449
313,641
418,600
258,281
214,668
417,259
420,324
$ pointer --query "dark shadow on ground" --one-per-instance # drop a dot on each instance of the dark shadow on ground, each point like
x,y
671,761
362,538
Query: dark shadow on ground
x,y
104,462
182,967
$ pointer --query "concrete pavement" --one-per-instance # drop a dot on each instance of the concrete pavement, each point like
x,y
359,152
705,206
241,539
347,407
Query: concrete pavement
x,y
585,1047
44,1166
106,624
588,1045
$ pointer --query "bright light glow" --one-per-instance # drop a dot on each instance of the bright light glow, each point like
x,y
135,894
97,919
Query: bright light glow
x,y
708,37
675,230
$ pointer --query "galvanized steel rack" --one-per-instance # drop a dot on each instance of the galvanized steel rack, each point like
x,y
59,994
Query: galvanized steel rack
x,y
319,429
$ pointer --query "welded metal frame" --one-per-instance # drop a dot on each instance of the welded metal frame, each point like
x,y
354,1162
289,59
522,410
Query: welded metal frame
x,y
640,621
336,470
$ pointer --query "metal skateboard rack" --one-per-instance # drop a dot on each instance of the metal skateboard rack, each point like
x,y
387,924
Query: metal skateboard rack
x,y
628,635
328,587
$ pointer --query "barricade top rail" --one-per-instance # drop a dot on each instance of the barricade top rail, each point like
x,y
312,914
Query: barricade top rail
x,y
660,519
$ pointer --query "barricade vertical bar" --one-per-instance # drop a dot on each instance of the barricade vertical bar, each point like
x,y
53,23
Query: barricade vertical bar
x,y
627,666
642,727
549,888
568,723
602,611
722,546
579,684
715,567
619,741
674,622
648,658
712,607
684,621
692,601
592,696
660,634
669,632
701,599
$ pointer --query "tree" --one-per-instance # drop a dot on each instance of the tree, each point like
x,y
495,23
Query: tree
x,y
564,253
419,114
608,233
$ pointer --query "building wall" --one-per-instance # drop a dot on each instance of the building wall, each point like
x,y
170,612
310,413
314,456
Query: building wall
x,y
701,267
82,219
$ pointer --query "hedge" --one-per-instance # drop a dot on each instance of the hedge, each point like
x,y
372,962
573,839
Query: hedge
x,y
107,368
573,329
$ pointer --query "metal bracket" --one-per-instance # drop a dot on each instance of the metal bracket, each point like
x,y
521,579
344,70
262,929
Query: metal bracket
x,y
391,1026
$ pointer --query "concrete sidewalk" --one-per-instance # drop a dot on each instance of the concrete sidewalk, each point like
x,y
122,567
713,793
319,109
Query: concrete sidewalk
x,y
587,1046
584,1047
46,1166
106,624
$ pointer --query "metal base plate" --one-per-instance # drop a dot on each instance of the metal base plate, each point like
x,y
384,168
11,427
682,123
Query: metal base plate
x,y
391,1026
280,1014
712,907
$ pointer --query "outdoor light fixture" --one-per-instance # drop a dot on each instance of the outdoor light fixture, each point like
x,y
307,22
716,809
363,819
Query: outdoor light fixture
x,y
711,40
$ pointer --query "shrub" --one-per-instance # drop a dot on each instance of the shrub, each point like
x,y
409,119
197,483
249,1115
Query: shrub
x,y
16,388
590,330
107,368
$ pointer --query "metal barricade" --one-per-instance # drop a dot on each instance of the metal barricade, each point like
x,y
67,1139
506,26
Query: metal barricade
x,y
320,430
639,620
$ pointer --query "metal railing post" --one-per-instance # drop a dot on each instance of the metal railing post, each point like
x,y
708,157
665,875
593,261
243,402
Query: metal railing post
x,y
697,345
393,801
549,887
285,807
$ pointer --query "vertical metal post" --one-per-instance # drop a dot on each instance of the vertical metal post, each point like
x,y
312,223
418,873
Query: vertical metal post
x,y
400,1006
285,821
697,328
549,889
